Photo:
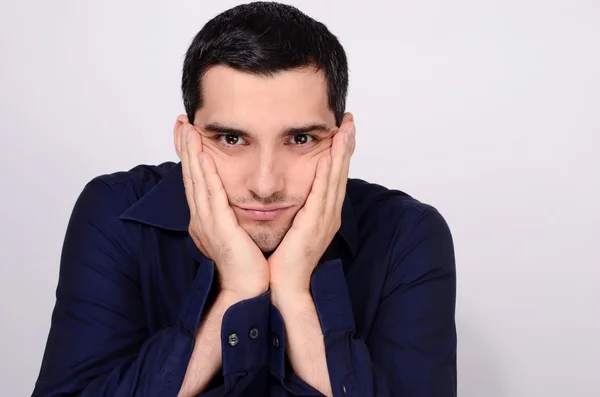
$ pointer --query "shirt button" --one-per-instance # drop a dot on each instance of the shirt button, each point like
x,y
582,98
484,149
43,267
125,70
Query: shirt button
x,y
344,388
275,342
233,339
253,333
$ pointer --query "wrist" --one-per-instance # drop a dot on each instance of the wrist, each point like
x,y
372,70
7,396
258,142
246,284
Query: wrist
x,y
290,298
233,296
226,298
294,286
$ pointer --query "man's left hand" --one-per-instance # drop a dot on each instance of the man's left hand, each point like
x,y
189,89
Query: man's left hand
x,y
317,222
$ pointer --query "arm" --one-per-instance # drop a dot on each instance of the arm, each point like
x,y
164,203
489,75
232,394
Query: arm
x,y
304,339
243,274
206,360
416,319
411,350
99,344
213,353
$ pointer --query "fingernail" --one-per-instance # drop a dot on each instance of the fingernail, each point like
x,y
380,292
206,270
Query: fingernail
x,y
348,137
187,134
201,158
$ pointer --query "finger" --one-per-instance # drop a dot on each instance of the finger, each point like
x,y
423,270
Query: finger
x,y
317,197
217,196
194,148
340,154
185,170
341,194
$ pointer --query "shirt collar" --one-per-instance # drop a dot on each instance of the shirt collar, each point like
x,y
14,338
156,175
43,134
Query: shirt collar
x,y
165,206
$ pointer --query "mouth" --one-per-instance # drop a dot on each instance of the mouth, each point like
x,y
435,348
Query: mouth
x,y
263,213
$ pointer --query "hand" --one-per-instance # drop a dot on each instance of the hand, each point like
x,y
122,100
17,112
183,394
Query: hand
x,y
318,220
242,267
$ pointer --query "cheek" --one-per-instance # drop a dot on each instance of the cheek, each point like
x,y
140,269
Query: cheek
x,y
300,177
230,171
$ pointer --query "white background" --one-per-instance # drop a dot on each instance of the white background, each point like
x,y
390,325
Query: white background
x,y
488,110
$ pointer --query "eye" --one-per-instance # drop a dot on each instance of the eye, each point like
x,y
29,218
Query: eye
x,y
301,139
231,139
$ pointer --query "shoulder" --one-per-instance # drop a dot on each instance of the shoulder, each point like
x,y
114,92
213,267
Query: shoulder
x,y
392,214
137,181
106,196
372,200
412,237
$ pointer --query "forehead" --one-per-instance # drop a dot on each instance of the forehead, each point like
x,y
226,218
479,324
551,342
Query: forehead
x,y
264,102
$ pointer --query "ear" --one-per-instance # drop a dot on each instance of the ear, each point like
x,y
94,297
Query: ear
x,y
179,123
347,120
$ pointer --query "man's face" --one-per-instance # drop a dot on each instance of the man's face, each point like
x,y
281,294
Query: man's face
x,y
266,135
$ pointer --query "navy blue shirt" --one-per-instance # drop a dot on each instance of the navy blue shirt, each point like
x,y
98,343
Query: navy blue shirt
x,y
133,289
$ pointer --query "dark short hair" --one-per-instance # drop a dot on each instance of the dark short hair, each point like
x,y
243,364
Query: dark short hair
x,y
264,38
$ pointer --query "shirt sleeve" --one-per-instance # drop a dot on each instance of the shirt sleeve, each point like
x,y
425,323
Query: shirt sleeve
x,y
99,344
411,349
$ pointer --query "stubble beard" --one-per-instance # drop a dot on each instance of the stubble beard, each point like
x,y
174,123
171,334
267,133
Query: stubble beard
x,y
267,237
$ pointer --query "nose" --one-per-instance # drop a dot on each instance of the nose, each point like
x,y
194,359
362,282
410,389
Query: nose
x,y
266,179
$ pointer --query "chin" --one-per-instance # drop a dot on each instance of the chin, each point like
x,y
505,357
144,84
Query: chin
x,y
267,238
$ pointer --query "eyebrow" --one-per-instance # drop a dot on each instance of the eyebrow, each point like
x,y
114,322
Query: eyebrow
x,y
217,128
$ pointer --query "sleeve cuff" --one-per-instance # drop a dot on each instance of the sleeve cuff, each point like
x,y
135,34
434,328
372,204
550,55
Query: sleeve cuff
x,y
245,335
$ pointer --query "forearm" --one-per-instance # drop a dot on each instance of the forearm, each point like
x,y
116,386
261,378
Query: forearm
x,y
304,339
206,359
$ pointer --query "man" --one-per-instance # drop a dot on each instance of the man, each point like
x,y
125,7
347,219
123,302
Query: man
x,y
254,267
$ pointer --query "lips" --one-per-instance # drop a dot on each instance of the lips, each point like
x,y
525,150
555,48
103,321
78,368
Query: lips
x,y
263,214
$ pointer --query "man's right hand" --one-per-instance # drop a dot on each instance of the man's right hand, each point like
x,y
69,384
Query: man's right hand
x,y
242,267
